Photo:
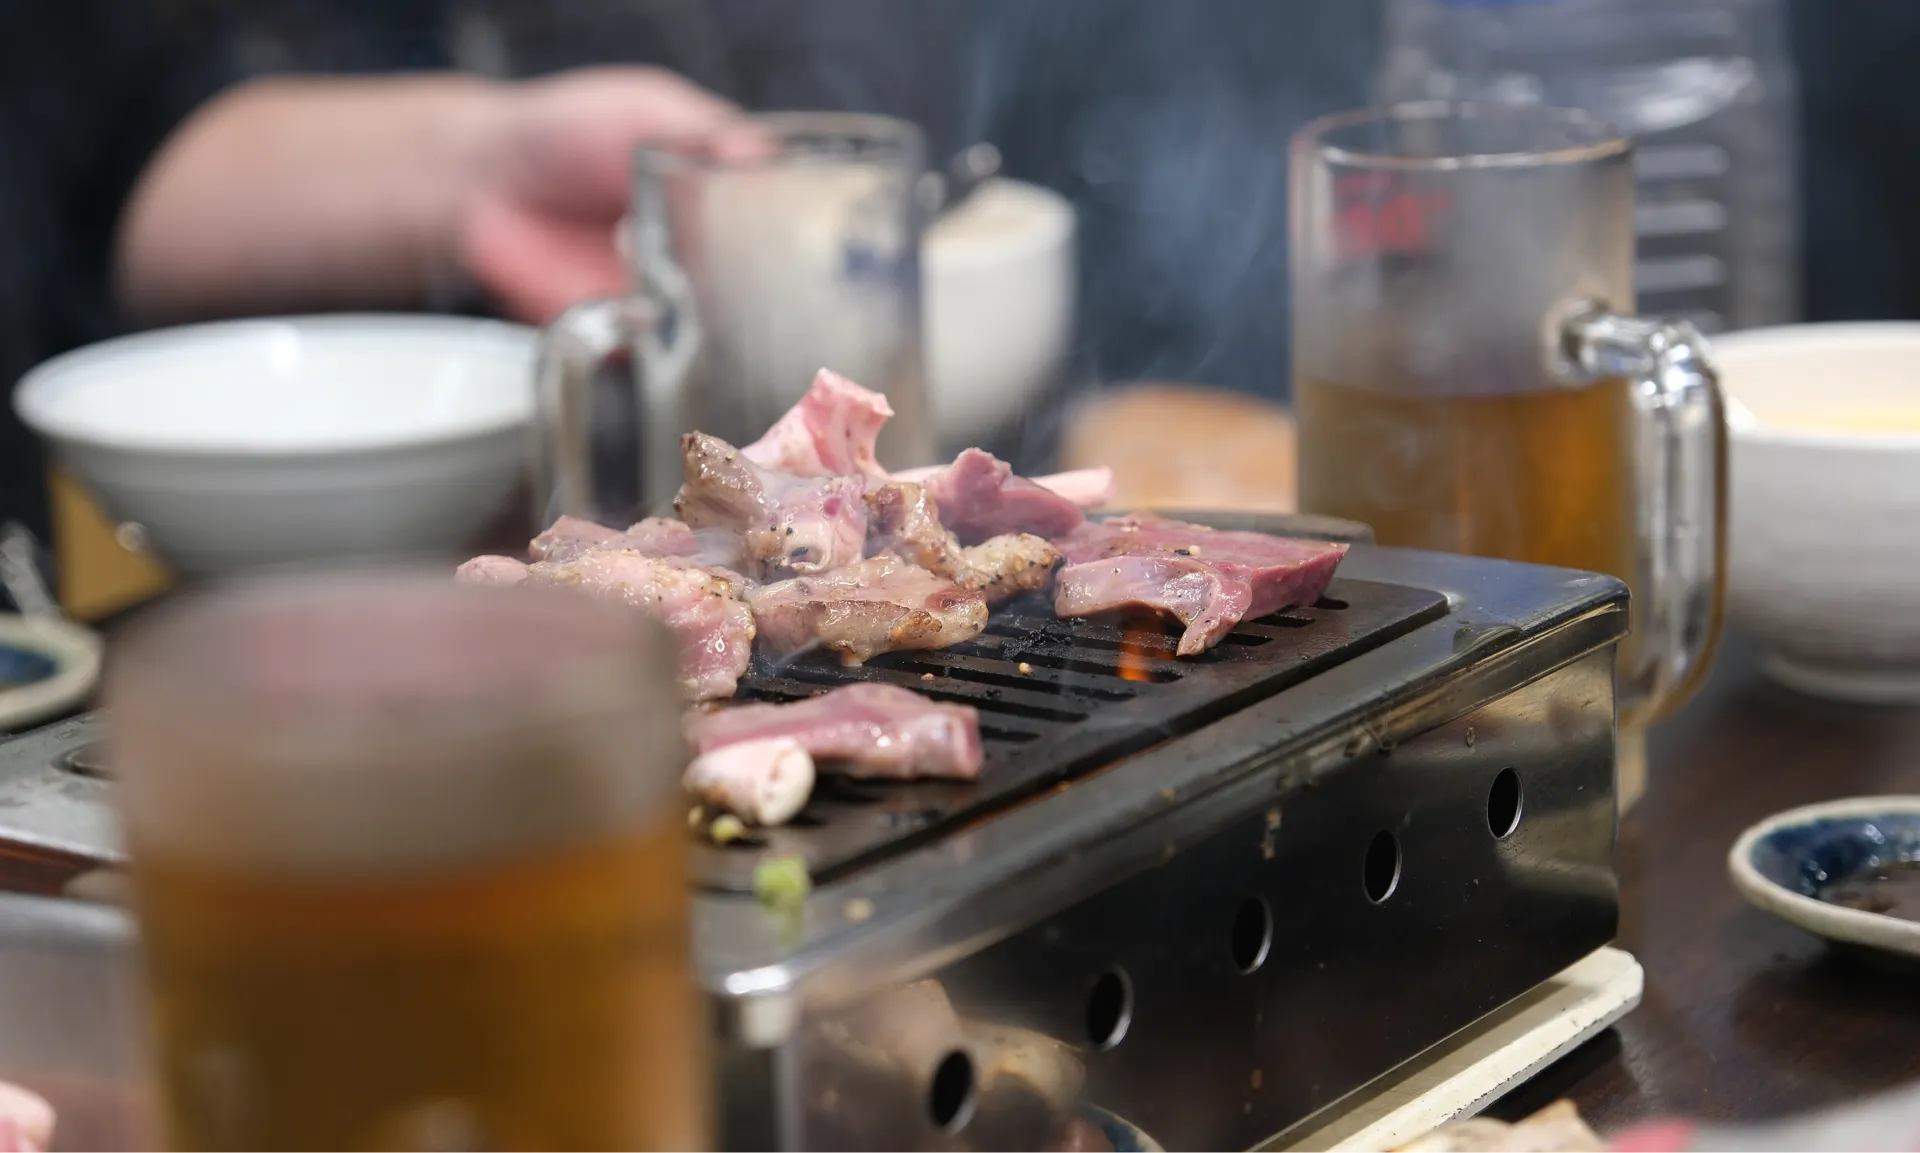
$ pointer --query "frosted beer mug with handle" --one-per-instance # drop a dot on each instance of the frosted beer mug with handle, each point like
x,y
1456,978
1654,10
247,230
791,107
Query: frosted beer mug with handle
x,y
408,861
1470,376
788,245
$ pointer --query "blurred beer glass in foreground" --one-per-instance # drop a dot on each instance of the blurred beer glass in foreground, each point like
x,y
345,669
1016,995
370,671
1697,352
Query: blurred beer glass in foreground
x,y
1470,377
408,859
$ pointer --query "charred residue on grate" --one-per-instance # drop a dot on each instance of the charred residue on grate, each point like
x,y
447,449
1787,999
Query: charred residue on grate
x,y
1057,699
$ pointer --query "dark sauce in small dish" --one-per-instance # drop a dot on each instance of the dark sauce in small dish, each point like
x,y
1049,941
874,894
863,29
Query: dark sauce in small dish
x,y
1891,889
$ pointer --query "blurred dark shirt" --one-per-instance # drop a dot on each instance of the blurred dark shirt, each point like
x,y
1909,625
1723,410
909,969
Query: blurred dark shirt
x,y
88,89
1164,120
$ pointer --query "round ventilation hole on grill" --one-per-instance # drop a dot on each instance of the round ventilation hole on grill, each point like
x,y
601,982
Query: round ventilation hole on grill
x,y
1252,934
1381,875
1503,804
1109,1008
950,1097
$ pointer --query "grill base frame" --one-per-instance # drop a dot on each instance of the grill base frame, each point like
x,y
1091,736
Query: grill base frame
x,y
1143,864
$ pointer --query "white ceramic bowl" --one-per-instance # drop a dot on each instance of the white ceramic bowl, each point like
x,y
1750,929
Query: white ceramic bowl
x,y
258,443
998,275
1825,534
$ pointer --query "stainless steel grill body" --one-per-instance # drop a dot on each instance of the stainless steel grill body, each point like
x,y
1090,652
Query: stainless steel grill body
x,y
1335,812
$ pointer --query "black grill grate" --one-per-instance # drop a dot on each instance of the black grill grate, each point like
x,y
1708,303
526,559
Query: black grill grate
x,y
1057,700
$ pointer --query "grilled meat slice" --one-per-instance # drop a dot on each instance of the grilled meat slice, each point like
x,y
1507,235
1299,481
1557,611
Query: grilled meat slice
x,y
830,432
863,730
491,570
1204,599
663,537
570,537
979,497
806,524
1209,580
703,607
903,518
865,609
1005,566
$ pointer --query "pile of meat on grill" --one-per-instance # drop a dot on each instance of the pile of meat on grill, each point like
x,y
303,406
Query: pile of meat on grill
x,y
800,541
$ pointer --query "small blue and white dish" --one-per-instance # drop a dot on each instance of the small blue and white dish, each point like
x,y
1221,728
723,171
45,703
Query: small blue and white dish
x,y
1845,870
47,666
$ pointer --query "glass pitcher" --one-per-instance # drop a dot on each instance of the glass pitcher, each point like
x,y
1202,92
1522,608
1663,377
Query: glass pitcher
x,y
793,245
1469,375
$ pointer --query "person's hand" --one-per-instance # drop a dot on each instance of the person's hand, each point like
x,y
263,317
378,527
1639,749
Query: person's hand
x,y
308,193
538,228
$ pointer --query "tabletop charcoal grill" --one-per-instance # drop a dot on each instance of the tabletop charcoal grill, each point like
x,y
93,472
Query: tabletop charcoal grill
x,y
1213,897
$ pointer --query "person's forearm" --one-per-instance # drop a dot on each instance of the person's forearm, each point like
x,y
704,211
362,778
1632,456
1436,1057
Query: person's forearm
x,y
296,194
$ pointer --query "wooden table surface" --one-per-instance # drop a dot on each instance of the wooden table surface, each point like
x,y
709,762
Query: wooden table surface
x,y
1744,1017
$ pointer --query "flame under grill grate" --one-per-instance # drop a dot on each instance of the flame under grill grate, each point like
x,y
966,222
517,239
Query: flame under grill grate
x,y
1058,699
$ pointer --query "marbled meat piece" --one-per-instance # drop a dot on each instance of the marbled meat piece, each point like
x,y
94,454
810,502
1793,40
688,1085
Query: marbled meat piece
x,y
979,498
570,537
902,518
704,608
831,431
862,730
862,610
1207,579
806,524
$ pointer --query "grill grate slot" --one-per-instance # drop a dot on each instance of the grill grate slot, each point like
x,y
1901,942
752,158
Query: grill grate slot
x,y
1094,691
986,698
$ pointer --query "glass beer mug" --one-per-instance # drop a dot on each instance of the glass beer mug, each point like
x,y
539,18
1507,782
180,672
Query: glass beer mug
x,y
1469,375
788,245
408,858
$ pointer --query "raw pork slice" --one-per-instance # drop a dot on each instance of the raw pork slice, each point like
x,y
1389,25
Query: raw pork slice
x,y
806,524
1086,487
711,623
903,519
866,609
979,497
830,432
1209,580
864,730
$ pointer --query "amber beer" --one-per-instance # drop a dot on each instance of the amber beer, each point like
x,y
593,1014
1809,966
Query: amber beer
x,y
1545,475
432,901
1469,376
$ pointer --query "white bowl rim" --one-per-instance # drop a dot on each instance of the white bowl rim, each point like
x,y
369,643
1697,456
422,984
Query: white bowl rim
x,y
1742,425
36,411
1835,922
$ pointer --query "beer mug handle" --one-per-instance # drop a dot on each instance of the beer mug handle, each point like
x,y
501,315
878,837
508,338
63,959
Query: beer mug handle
x,y
1681,453
661,327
